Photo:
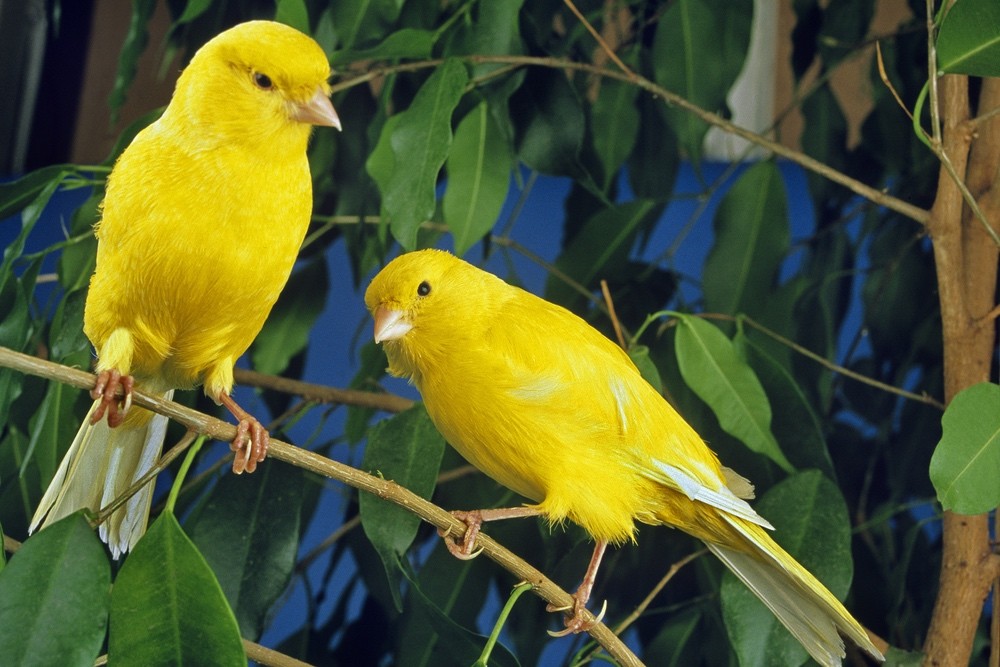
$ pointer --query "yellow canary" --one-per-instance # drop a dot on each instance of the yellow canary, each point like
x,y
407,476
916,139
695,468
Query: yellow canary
x,y
546,405
203,218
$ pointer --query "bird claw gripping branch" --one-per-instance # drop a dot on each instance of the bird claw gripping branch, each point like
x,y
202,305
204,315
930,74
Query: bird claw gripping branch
x,y
107,385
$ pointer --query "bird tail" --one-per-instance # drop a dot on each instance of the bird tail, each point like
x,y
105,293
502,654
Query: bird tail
x,y
803,605
100,465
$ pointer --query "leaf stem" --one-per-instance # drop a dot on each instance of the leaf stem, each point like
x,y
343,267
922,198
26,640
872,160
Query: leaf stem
x,y
182,473
501,620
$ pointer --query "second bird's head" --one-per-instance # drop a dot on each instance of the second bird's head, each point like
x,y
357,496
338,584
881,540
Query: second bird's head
x,y
428,303
259,78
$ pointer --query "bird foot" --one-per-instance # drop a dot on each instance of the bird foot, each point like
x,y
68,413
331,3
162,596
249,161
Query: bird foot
x,y
107,385
473,523
576,622
251,441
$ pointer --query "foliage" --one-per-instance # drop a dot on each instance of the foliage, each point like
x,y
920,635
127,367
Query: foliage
x,y
809,373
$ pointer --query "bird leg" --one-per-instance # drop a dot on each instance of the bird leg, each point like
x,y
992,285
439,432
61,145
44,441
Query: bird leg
x,y
251,441
107,385
576,622
473,521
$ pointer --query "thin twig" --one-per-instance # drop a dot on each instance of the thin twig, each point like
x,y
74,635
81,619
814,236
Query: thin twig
x,y
970,201
829,365
612,314
259,654
217,429
648,600
882,74
10,545
151,474
327,542
600,40
983,117
269,657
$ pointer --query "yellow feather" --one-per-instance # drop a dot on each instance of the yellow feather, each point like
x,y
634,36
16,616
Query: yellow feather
x,y
201,224
546,405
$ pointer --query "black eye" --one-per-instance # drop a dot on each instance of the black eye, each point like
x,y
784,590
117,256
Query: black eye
x,y
263,81
424,288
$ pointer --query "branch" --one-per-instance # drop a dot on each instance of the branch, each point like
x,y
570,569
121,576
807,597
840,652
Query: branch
x,y
282,451
323,394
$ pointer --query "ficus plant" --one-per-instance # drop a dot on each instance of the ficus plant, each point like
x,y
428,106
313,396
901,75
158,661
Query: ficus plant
x,y
846,365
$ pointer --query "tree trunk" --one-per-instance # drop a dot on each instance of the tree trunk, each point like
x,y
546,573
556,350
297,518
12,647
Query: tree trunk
x,y
966,263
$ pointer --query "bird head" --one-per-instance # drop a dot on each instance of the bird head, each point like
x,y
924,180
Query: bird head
x,y
257,79
426,303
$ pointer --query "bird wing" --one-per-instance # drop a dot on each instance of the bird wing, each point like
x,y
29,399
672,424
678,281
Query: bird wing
x,y
553,356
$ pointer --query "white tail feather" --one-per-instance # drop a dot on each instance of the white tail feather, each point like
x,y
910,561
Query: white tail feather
x,y
723,498
99,466
796,598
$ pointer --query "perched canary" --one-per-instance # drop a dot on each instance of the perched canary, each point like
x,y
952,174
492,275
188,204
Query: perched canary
x,y
546,405
203,218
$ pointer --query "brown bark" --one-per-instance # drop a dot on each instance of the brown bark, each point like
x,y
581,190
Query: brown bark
x,y
966,263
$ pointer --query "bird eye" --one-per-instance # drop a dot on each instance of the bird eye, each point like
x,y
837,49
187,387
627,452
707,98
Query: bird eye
x,y
424,288
263,81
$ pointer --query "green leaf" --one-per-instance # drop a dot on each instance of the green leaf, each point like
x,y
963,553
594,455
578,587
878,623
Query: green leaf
x,y
493,29
458,590
420,141
167,607
405,449
844,25
31,213
463,646
54,597
710,366
381,163
76,262
548,121
639,354
478,178
824,138
796,424
192,10
358,23
405,43
15,195
900,272
751,240
615,126
293,13
601,247
66,338
128,60
371,369
812,524
674,643
286,331
966,460
248,530
969,39
896,657
683,64
653,165
53,426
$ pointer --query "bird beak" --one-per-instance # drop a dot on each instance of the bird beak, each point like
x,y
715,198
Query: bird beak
x,y
317,111
389,324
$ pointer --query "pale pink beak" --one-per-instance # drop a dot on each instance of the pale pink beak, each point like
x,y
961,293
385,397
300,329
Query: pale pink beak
x,y
317,111
389,324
